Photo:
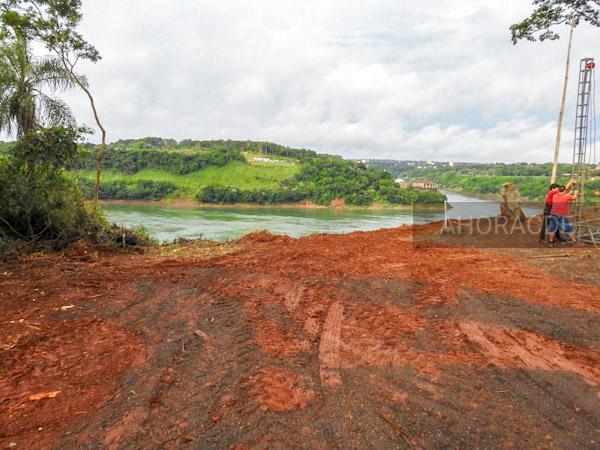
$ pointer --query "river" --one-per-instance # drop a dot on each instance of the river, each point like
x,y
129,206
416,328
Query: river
x,y
222,223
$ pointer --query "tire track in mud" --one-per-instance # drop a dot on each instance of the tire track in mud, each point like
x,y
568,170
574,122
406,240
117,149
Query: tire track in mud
x,y
505,347
197,394
125,415
263,363
329,347
155,402
293,298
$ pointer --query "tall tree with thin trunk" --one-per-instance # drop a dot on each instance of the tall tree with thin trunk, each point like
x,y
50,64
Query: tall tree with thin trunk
x,y
540,25
54,23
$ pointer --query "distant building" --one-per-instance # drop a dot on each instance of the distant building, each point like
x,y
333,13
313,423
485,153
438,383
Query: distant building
x,y
418,184
451,163
424,184
267,160
402,182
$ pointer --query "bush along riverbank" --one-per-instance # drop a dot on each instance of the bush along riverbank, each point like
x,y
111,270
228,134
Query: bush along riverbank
x,y
41,207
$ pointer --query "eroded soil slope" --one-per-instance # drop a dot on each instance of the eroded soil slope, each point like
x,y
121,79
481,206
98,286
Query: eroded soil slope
x,y
366,340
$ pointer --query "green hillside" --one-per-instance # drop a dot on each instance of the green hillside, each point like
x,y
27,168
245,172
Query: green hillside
x,y
236,172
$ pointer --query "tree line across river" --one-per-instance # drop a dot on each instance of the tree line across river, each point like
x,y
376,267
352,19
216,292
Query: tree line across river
x,y
532,180
319,178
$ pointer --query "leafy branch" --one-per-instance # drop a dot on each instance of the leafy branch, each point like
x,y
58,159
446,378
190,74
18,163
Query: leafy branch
x,y
551,13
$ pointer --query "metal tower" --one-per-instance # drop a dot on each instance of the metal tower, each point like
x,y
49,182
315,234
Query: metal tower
x,y
582,133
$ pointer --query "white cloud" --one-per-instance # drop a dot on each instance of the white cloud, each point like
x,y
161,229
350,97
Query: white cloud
x,y
381,79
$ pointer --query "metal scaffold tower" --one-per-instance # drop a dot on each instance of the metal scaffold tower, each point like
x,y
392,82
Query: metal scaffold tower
x,y
588,230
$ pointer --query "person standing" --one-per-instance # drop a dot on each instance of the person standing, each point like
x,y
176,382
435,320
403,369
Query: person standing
x,y
559,215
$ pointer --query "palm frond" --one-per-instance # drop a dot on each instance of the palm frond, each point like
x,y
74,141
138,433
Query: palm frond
x,y
50,72
6,119
24,83
53,111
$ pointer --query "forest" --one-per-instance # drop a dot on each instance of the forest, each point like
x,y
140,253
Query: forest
x,y
130,161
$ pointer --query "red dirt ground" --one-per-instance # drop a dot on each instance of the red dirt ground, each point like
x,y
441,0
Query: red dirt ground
x,y
383,339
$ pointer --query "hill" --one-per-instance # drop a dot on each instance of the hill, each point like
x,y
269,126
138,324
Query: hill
x,y
237,172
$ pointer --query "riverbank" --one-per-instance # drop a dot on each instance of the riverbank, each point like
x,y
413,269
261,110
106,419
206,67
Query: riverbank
x,y
491,197
223,222
344,338
184,203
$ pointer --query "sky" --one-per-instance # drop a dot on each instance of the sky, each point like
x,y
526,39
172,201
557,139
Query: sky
x,y
364,79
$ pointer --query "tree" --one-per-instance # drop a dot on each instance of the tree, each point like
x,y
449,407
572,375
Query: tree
x,y
25,84
54,23
549,13
50,149
38,200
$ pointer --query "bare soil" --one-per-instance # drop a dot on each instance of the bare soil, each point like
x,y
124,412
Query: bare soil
x,y
394,338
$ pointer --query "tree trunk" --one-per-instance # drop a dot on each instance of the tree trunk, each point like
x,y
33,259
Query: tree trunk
x,y
102,148
562,108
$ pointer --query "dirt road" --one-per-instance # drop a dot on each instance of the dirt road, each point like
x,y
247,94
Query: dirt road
x,y
365,340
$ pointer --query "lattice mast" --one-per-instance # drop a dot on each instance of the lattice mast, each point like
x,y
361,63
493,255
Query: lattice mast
x,y
582,133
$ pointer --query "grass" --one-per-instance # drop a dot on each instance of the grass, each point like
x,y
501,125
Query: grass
x,y
235,174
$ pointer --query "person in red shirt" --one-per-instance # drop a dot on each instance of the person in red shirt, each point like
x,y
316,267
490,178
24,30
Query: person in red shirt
x,y
559,214
548,207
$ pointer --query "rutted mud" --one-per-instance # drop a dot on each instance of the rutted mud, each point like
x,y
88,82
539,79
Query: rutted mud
x,y
353,341
329,348
518,348
279,390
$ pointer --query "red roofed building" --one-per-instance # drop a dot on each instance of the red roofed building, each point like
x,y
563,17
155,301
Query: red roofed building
x,y
424,184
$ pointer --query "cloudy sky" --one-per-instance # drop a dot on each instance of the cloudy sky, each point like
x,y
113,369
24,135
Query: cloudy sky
x,y
394,79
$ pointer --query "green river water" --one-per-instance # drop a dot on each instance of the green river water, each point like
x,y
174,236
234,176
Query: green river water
x,y
222,223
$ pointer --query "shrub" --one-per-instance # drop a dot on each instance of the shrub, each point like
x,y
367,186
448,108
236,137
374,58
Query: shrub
x,y
113,235
48,208
226,194
38,200
402,196
41,206
128,190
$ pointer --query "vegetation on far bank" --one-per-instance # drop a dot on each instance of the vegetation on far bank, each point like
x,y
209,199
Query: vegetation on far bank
x,y
532,180
230,172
